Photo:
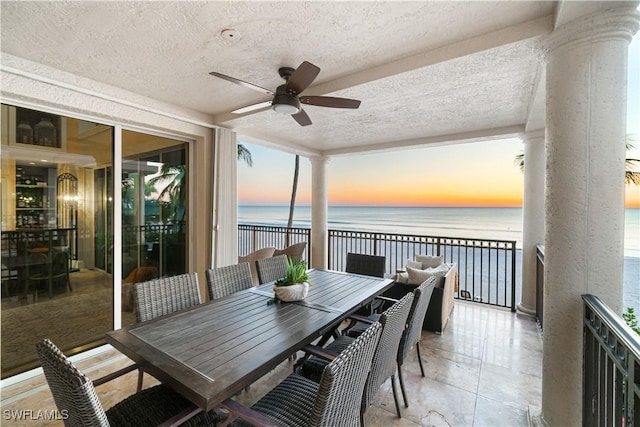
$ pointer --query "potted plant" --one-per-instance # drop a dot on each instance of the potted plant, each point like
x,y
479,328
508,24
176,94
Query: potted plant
x,y
294,286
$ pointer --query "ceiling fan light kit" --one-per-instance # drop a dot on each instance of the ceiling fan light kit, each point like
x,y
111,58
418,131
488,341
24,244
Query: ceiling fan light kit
x,y
285,103
286,99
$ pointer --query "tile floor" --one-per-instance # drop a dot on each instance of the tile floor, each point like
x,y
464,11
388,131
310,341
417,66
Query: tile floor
x,y
485,370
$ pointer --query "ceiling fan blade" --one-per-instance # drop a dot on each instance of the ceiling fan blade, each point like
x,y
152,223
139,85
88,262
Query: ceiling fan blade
x,y
252,107
242,83
302,78
302,118
330,101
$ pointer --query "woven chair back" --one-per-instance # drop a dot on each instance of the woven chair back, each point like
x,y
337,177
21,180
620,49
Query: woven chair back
x,y
270,269
394,321
253,257
223,281
421,297
164,296
368,265
72,391
294,251
344,378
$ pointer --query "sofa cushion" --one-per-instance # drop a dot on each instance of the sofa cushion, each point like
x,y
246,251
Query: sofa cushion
x,y
429,261
417,276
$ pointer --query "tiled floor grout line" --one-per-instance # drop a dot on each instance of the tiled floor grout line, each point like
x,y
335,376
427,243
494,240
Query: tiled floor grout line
x,y
482,351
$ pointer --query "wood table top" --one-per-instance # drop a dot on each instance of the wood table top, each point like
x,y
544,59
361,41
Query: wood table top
x,y
210,352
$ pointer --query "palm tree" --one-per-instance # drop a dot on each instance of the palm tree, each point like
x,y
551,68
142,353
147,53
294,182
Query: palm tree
x,y
631,176
294,190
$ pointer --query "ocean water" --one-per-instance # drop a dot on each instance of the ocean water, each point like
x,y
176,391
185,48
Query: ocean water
x,y
478,223
470,223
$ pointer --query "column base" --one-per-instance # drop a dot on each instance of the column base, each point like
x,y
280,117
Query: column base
x,y
523,310
535,417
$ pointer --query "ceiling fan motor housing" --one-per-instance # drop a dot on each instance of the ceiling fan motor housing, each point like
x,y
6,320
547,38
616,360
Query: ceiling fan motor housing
x,y
285,103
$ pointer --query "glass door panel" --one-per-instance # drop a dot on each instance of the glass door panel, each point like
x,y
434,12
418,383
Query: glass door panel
x,y
154,211
56,234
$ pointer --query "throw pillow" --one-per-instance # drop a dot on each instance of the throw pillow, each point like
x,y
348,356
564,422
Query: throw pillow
x,y
402,278
429,261
413,264
417,277
442,268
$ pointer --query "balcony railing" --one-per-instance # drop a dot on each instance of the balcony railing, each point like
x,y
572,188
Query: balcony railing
x,y
611,368
486,268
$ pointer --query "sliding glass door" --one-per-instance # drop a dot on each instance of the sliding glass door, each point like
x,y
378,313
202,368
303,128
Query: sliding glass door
x,y
154,211
59,178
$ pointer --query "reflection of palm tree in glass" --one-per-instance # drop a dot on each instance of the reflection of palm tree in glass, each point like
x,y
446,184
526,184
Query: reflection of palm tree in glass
x,y
172,194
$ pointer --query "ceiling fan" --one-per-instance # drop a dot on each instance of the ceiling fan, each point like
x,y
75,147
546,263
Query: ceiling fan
x,y
287,98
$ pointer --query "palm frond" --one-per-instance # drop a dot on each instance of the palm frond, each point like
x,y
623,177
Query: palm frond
x,y
245,155
519,161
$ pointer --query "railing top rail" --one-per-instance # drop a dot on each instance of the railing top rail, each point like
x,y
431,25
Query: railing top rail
x,y
282,227
614,322
378,233
382,235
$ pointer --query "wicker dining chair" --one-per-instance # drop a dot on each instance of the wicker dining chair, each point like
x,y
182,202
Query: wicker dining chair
x,y
252,258
413,332
223,281
271,269
393,321
166,295
158,297
367,265
76,398
298,401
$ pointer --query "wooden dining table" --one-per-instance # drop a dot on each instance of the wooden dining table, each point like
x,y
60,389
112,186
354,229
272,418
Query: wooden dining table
x,y
210,352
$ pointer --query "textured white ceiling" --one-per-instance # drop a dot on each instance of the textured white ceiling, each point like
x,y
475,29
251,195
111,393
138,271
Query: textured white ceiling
x,y
423,70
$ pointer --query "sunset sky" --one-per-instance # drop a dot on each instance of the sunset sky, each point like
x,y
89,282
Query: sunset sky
x,y
474,174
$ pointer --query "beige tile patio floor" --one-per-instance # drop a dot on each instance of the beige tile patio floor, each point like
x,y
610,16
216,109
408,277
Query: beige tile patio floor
x,y
484,370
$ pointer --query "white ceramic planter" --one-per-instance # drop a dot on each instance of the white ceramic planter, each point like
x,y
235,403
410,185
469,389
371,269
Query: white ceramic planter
x,y
290,293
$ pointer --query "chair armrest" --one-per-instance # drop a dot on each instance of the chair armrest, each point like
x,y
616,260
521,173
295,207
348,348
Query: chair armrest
x,y
248,414
383,298
318,351
362,319
115,375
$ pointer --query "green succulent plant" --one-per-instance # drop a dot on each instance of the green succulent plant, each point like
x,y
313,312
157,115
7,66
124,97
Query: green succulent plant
x,y
295,272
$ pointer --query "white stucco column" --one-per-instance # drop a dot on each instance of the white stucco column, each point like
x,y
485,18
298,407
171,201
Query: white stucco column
x,y
224,249
586,83
532,216
319,212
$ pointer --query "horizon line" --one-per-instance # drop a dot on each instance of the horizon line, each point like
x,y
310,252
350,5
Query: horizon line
x,y
399,206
